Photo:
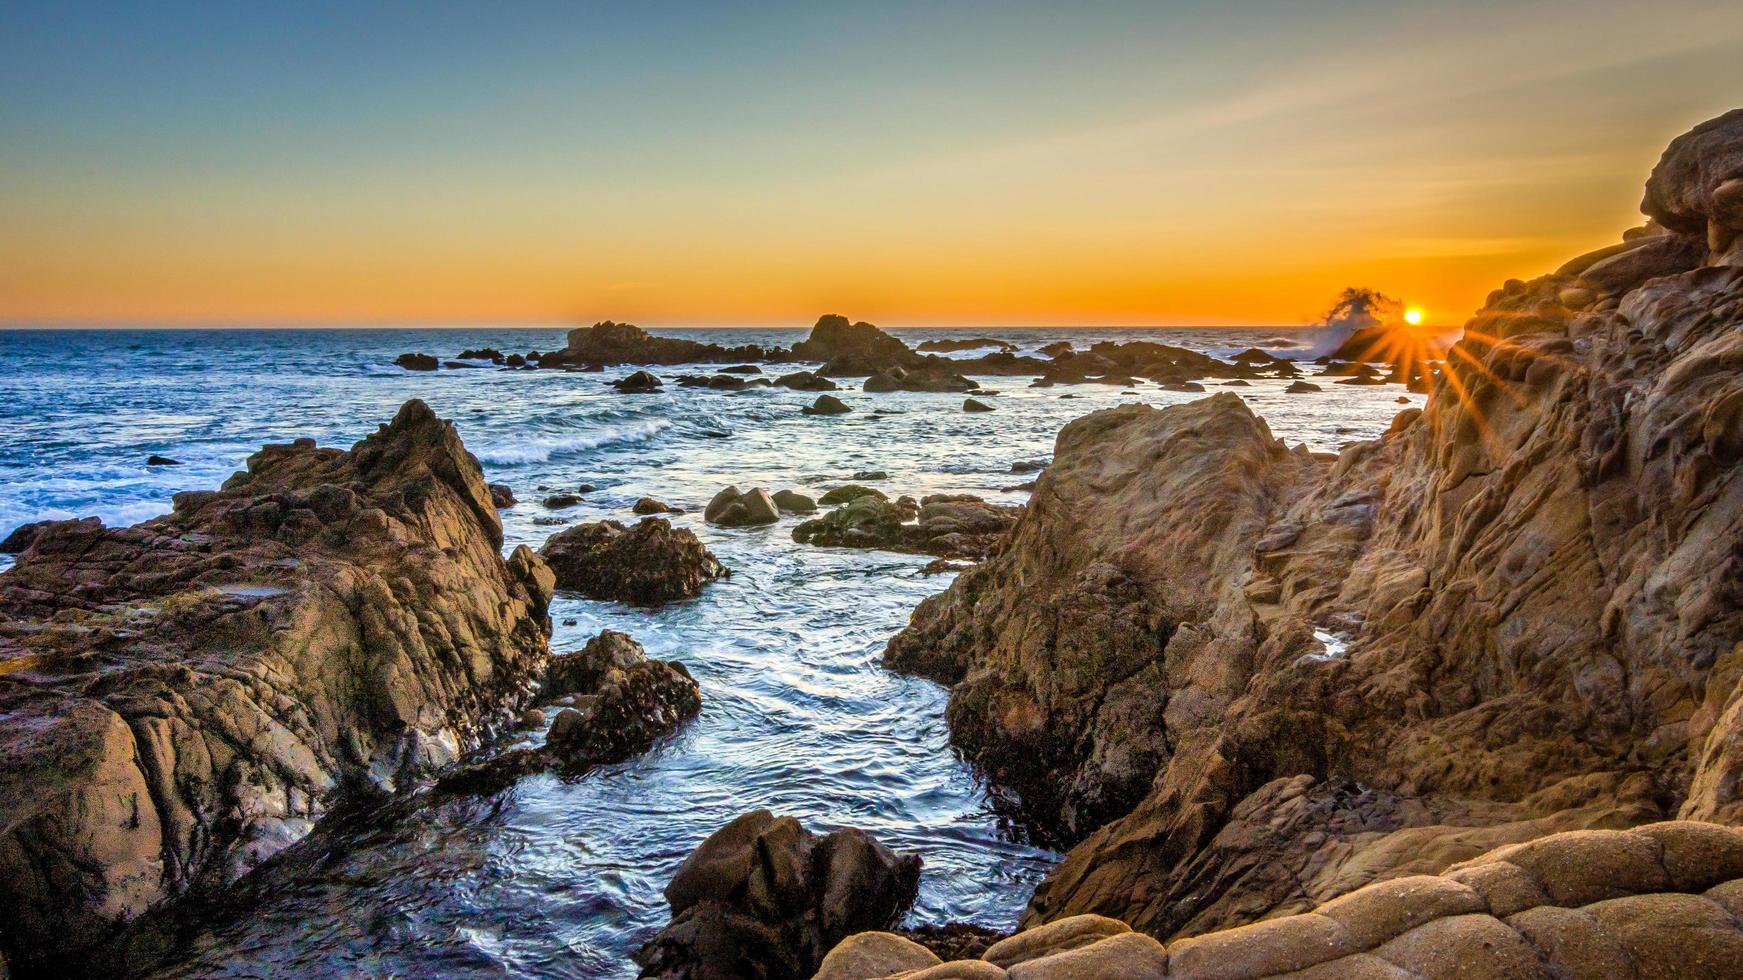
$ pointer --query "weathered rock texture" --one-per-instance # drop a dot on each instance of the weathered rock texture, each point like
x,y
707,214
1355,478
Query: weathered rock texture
x,y
181,699
765,898
1527,603
945,525
1664,900
647,564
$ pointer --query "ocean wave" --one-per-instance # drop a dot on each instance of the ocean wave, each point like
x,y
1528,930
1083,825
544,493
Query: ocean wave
x,y
537,449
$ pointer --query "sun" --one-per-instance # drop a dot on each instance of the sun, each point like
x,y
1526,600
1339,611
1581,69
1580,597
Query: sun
x,y
1413,316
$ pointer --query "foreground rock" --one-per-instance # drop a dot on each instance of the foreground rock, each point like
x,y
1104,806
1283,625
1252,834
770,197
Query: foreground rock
x,y
943,525
1282,677
645,565
182,699
765,898
1660,901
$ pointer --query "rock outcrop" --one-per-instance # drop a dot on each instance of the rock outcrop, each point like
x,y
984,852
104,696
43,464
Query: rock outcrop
x,y
765,898
609,343
1516,613
732,507
943,525
182,699
647,564
1663,900
851,348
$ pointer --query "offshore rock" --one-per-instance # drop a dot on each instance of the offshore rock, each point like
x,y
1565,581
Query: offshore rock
x,y
943,525
624,343
732,507
182,699
765,898
648,564
851,346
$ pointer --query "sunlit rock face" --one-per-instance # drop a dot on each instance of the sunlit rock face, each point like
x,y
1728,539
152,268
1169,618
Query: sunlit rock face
x,y
1531,591
182,699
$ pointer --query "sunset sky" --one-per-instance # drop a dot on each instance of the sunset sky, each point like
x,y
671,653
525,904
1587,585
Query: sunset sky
x,y
677,164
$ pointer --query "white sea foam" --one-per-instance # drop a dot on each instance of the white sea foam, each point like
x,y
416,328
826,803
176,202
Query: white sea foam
x,y
538,449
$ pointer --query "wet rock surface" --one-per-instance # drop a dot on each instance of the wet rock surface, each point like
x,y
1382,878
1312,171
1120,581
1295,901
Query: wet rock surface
x,y
646,564
765,898
944,525
1270,678
182,699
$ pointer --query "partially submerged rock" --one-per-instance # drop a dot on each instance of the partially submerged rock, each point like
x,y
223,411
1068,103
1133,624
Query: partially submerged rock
x,y
793,502
502,495
764,897
647,564
182,699
733,507
416,362
827,405
976,405
639,383
648,505
624,343
945,525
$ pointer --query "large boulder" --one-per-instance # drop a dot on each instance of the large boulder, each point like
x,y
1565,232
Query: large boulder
x,y
765,898
1514,614
182,699
647,564
1697,188
834,339
732,507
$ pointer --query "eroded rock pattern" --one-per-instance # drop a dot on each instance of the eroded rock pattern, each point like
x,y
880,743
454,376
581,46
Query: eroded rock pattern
x,y
1516,613
181,699
1663,900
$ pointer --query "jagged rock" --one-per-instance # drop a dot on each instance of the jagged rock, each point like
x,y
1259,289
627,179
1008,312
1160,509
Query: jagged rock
x,y
976,405
25,535
182,699
644,565
849,493
1593,903
648,505
793,502
639,383
1513,614
833,338
827,405
502,495
1301,388
734,508
765,898
416,362
624,343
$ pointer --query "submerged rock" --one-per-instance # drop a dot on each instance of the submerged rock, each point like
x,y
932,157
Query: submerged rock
x,y
764,897
639,383
648,505
218,674
647,564
155,460
827,405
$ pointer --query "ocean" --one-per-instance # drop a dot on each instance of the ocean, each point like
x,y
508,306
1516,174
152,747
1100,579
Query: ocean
x,y
563,879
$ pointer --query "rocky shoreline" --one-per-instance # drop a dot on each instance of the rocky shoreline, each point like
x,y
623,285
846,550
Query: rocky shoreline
x,y
1466,699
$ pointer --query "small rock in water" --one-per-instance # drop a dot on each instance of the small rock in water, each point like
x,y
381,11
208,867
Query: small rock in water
x,y
827,405
161,461
559,500
870,475
793,502
976,405
639,383
1301,388
416,362
502,495
648,505
732,507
